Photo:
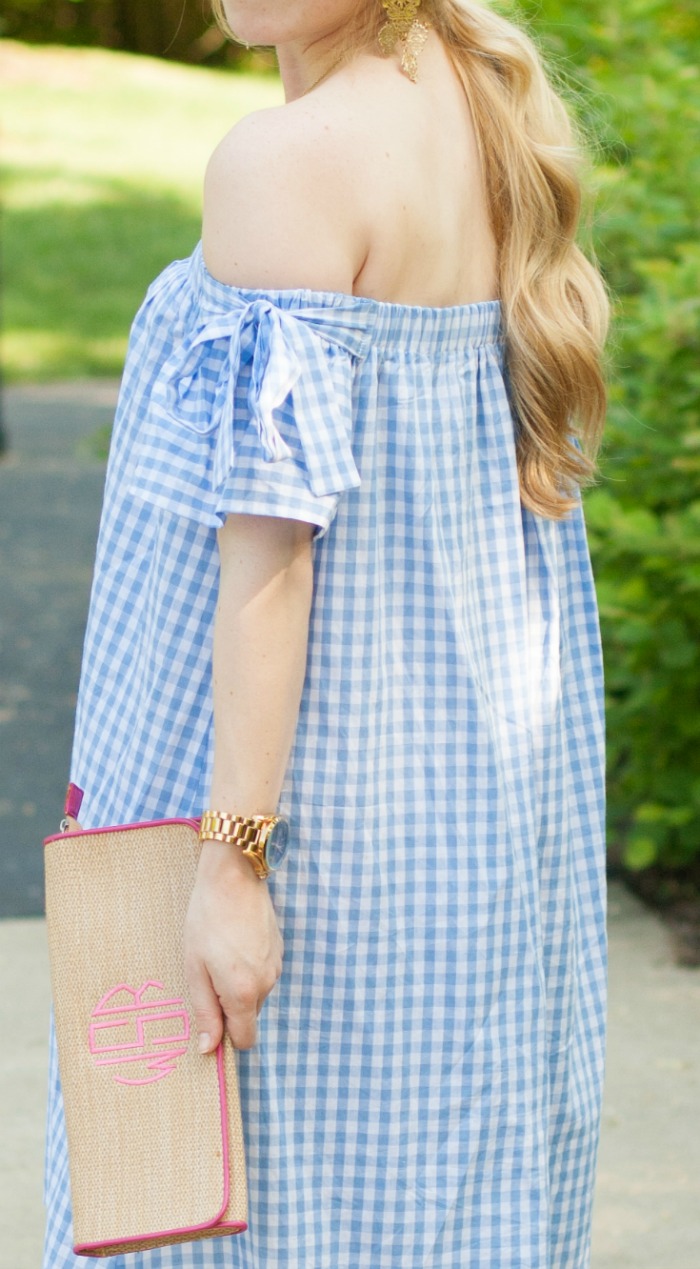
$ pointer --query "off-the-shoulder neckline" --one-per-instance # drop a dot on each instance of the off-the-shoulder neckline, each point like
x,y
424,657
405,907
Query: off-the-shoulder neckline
x,y
337,298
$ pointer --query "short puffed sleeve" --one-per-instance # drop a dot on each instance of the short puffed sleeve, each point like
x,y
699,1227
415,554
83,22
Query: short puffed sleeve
x,y
252,412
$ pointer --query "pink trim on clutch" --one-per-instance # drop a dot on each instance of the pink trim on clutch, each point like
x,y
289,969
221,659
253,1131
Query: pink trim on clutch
x,y
119,828
236,1227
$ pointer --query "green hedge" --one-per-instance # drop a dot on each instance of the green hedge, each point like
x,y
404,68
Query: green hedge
x,y
637,66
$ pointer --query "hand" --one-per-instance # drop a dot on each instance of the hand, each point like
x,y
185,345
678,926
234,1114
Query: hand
x,y
233,946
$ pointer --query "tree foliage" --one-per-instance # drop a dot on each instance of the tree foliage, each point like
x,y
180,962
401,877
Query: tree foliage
x,y
636,64
182,30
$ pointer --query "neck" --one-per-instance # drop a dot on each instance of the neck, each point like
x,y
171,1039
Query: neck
x,y
301,65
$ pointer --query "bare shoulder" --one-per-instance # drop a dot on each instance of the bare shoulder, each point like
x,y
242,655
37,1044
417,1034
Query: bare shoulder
x,y
278,200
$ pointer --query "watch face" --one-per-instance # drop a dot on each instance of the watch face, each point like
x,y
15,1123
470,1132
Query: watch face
x,y
276,844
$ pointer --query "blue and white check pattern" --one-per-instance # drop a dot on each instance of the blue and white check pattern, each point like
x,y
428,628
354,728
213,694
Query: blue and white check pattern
x,y
425,1091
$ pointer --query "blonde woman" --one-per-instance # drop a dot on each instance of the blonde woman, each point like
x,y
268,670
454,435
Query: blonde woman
x,y
342,579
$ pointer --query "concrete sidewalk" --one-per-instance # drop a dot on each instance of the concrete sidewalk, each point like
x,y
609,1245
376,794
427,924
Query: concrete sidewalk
x,y
648,1199
647,1213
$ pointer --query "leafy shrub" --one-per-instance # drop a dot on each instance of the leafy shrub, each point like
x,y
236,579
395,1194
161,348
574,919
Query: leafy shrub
x,y
637,67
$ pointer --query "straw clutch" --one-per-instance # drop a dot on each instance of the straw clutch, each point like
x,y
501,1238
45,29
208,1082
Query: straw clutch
x,y
155,1140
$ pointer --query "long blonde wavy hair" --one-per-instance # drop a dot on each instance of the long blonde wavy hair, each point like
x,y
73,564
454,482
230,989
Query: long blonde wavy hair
x,y
554,302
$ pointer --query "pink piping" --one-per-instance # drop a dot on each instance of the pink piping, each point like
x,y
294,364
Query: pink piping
x,y
119,828
236,1227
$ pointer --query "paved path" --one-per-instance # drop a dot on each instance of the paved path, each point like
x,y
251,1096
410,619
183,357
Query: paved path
x,y
50,495
648,1197
648,1200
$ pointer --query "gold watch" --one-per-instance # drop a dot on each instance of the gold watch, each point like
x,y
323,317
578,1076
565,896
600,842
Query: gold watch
x,y
262,838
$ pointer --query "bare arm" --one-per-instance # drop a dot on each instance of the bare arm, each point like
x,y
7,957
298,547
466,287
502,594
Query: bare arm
x,y
260,637
264,225
233,947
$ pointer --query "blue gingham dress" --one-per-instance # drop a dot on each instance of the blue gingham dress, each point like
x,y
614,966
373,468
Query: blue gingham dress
x,y
425,1090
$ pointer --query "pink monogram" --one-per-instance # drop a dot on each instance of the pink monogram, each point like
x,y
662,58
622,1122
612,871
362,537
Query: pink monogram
x,y
141,1025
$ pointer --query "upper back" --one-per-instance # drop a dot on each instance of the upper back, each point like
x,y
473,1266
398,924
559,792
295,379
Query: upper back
x,y
371,184
422,191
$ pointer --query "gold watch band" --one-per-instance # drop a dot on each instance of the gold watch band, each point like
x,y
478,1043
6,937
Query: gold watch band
x,y
240,830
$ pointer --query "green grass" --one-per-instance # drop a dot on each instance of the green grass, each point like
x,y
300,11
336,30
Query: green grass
x,y
103,156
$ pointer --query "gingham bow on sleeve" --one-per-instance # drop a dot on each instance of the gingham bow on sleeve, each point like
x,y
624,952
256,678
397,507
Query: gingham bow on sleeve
x,y
197,412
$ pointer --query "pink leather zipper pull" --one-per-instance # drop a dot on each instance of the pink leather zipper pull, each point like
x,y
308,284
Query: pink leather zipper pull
x,y
73,802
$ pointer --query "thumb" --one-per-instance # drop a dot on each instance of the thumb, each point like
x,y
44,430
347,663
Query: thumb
x,y
207,1009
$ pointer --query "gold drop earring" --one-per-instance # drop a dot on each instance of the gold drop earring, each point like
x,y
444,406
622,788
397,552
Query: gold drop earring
x,y
404,28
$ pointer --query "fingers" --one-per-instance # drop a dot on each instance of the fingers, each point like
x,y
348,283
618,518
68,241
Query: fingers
x,y
207,1009
238,1012
241,1011
241,1017
231,967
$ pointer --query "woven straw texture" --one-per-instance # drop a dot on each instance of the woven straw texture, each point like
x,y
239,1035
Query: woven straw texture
x,y
145,1156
